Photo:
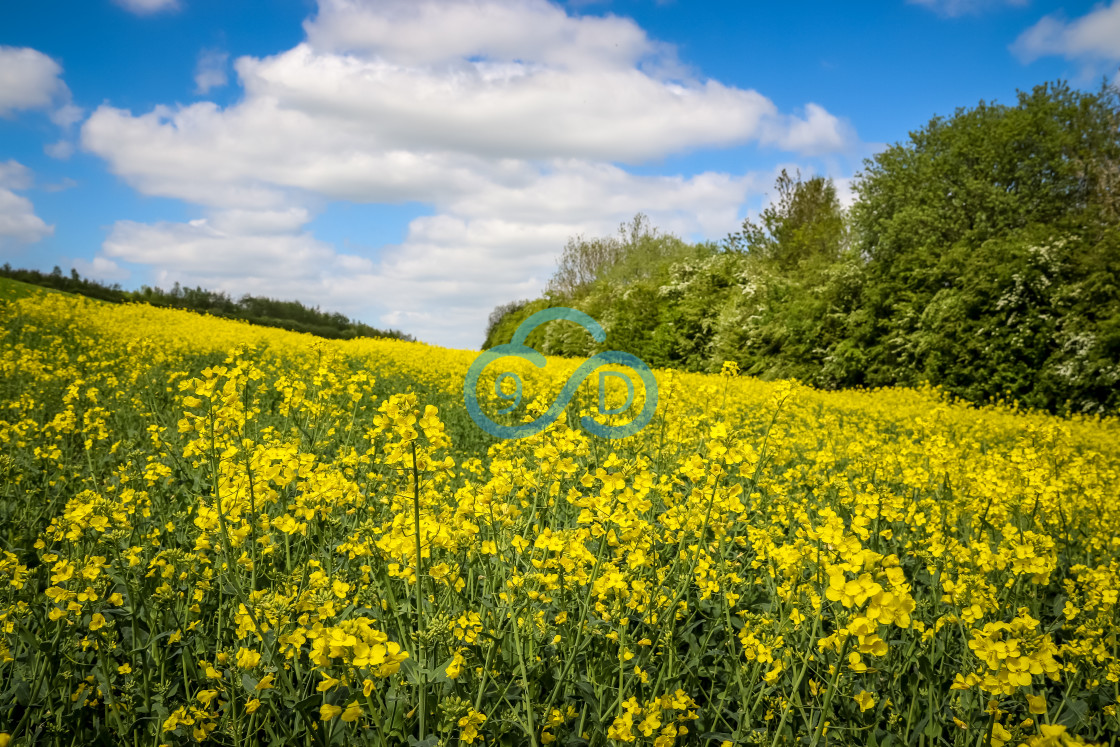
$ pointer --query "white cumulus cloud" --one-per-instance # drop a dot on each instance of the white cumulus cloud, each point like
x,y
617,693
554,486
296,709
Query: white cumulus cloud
x,y
14,175
219,248
514,120
30,80
1093,38
425,32
105,270
19,225
452,268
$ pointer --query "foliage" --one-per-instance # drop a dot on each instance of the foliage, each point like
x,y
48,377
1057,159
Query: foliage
x,y
500,313
989,224
223,534
804,227
980,256
619,259
1051,160
617,280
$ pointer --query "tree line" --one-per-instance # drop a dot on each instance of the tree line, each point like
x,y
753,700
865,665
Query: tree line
x,y
268,312
981,255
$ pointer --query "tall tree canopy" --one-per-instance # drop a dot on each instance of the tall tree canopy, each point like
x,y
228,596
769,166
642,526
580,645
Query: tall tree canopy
x,y
804,223
976,233
1053,159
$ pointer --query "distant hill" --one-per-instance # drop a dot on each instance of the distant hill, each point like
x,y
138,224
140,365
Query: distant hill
x,y
268,312
10,290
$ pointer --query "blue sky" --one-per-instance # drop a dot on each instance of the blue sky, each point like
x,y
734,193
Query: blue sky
x,y
413,163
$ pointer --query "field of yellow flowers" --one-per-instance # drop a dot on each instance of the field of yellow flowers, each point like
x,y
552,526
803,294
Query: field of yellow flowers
x,y
233,535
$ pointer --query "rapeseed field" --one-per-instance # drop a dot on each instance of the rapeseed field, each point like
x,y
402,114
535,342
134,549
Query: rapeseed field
x,y
223,534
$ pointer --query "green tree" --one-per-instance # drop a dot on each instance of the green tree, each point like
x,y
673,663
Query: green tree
x,y
981,255
1051,159
953,218
805,224
630,255
789,306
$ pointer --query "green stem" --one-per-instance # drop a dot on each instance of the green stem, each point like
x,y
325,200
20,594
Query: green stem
x,y
526,699
420,663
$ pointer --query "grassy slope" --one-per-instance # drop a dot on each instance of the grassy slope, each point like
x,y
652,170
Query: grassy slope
x,y
10,290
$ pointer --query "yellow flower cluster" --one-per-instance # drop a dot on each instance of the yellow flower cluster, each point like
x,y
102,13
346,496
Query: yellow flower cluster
x,y
222,533
674,708
1012,654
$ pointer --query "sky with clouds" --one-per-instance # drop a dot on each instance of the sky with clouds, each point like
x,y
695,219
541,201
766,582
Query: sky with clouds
x,y
413,163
